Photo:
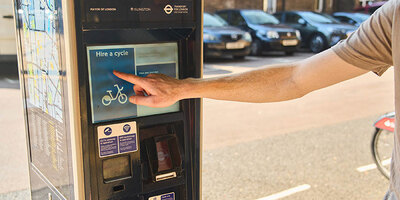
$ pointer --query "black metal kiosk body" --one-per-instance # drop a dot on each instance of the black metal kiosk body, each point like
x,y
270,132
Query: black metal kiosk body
x,y
85,140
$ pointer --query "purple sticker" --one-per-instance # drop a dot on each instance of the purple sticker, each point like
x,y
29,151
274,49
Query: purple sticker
x,y
108,146
170,196
127,143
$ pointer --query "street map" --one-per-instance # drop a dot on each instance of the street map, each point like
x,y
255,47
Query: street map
x,y
42,59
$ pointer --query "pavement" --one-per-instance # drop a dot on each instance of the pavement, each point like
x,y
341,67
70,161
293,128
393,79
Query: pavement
x,y
324,158
301,149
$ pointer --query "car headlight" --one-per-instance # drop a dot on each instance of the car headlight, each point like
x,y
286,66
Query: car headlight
x,y
247,37
209,37
298,35
272,35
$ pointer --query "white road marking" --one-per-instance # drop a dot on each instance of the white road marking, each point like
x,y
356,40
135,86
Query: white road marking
x,y
286,193
373,166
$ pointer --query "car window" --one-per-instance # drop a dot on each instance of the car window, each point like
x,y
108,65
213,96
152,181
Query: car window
x,y
224,16
278,16
237,19
292,18
259,17
318,18
360,17
342,19
213,21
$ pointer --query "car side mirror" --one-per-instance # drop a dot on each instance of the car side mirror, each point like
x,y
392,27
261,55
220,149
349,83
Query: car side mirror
x,y
302,22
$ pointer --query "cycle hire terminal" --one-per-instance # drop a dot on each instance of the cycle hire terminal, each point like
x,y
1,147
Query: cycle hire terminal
x,y
85,139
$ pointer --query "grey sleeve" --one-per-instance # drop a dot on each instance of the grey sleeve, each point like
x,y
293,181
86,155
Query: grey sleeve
x,y
370,47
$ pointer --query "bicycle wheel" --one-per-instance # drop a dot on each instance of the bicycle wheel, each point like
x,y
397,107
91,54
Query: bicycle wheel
x,y
382,147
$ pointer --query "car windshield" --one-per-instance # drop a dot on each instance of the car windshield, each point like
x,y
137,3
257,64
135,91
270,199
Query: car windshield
x,y
360,17
259,17
318,18
213,21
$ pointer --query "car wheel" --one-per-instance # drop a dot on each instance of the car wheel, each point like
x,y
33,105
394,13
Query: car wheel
x,y
256,48
317,43
239,57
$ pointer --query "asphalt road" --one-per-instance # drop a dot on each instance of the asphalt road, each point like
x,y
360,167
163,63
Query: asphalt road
x,y
253,151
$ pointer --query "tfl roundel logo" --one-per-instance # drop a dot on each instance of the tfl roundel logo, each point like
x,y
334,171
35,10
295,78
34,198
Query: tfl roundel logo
x,y
107,131
127,128
168,9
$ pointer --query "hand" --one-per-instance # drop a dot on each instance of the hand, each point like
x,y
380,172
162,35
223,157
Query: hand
x,y
155,90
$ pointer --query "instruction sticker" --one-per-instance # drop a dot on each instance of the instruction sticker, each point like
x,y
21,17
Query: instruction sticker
x,y
117,139
169,196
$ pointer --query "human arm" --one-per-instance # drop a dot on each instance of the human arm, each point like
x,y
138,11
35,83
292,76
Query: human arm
x,y
269,84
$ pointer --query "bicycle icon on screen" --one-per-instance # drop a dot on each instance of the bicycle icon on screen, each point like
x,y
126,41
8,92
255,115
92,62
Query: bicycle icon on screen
x,y
122,98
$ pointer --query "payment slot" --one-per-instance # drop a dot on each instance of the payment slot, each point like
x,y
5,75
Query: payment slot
x,y
162,153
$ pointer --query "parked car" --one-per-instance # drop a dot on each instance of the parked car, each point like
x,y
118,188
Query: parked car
x,y
221,39
351,18
267,33
318,31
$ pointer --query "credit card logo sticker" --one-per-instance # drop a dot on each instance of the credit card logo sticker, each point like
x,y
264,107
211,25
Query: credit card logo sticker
x,y
127,128
107,131
108,98
169,196
168,9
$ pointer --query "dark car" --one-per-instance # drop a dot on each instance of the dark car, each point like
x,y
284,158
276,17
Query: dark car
x,y
318,31
221,39
267,33
351,18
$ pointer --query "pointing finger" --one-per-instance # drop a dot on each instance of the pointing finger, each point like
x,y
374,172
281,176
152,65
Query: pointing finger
x,y
128,77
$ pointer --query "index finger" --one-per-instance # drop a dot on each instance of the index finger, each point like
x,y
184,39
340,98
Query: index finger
x,y
128,77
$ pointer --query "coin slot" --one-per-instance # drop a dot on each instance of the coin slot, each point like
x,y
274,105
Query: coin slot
x,y
119,188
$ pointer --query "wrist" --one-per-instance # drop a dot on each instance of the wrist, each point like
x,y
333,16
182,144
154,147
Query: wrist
x,y
190,88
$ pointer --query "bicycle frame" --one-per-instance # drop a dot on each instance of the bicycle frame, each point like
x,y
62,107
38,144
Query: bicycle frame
x,y
118,93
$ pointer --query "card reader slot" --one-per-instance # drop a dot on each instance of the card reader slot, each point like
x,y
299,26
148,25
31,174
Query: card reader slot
x,y
162,153
166,176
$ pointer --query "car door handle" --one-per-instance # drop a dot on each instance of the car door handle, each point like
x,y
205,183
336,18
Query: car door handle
x,y
8,16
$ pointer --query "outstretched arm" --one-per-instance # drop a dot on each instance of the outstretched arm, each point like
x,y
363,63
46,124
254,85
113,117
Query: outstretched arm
x,y
269,84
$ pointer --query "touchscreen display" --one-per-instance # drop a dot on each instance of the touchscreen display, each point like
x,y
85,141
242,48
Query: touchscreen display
x,y
109,94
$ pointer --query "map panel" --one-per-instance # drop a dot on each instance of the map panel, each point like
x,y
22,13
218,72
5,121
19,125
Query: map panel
x,y
43,79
